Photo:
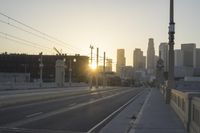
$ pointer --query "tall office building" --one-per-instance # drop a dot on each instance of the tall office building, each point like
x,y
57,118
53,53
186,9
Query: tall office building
x,y
164,55
138,59
151,57
121,60
197,58
188,51
178,62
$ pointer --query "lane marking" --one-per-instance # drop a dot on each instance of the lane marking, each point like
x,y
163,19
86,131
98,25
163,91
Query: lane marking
x,y
113,113
40,101
72,104
53,113
34,114
140,112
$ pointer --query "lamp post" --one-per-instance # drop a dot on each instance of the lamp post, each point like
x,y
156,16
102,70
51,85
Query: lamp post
x,y
70,71
91,74
41,68
171,82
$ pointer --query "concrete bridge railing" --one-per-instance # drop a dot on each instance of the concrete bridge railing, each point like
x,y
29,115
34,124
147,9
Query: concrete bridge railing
x,y
187,107
195,115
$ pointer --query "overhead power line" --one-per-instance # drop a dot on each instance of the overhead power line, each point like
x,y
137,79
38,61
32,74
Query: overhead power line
x,y
23,41
42,35
64,44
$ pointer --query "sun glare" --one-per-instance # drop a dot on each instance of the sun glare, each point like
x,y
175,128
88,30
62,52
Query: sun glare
x,y
93,66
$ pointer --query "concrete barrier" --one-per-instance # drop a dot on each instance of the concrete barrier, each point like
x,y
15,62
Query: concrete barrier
x,y
195,115
32,85
181,102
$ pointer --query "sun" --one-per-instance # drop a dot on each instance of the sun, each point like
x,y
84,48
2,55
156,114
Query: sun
x,y
93,66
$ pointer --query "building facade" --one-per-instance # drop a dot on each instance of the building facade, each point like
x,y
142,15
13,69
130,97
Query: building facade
x,y
23,63
151,57
164,55
188,51
178,62
197,58
138,59
121,61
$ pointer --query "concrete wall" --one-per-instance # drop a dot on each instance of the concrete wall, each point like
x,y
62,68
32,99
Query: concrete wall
x,y
32,85
14,77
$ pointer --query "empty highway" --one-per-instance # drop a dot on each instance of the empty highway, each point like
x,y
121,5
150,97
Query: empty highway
x,y
84,111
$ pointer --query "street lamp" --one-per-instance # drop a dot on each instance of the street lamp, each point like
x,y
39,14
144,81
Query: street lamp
x,y
171,82
41,65
70,71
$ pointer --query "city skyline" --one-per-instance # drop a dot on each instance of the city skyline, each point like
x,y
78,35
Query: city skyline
x,y
104,24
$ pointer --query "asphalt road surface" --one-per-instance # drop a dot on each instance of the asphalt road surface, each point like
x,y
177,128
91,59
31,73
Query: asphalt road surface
x,y
81,112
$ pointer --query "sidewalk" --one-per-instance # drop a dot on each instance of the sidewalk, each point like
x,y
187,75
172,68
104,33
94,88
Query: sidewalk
x,y
123,121
157,117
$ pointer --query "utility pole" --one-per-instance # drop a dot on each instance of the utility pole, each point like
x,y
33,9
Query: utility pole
x,y
97,69
171,82
70,72
91,75
104,67
41,68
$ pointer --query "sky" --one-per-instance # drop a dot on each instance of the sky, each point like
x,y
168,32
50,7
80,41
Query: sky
x,y
106,24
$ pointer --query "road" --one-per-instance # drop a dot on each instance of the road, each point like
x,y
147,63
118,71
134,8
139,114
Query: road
x,y
79,112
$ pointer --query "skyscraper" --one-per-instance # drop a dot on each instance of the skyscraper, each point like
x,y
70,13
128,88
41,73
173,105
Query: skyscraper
x,y
121,60
178,58
197,58
151,57
138,59
164,55
188,51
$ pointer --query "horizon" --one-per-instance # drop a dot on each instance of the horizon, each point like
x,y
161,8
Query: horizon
x,y
104,24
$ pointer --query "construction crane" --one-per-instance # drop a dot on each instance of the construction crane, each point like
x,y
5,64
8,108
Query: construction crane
x,y
58,52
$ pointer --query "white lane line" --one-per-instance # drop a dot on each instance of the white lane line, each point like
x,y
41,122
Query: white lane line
x,y
72,104
22,122
113,113
34,114
140,112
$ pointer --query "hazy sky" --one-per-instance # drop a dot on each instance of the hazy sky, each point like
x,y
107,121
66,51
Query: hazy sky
x,y
107,24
